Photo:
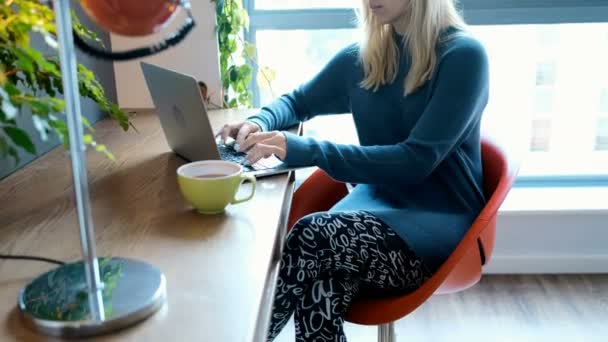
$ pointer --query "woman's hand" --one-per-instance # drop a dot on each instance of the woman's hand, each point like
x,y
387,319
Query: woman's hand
x,y
239,131
264,145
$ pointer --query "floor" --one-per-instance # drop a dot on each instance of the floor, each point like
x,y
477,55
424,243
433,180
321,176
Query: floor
x,y
500,308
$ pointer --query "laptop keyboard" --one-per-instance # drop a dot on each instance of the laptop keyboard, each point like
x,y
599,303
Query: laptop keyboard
x,y
228,153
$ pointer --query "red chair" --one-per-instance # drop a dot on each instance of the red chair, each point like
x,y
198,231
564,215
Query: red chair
x,y
460,271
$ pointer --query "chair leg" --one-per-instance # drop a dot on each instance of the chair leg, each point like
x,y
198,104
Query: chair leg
x,y
386,333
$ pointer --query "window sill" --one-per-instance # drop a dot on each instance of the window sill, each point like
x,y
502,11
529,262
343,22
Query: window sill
x,y
552,200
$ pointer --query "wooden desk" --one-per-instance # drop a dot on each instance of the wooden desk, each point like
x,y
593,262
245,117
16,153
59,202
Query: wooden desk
x,y
220,269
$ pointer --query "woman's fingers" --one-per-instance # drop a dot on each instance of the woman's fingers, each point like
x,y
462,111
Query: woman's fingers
x,y
246,129
264,145
227,131
255,138
238,131
262,150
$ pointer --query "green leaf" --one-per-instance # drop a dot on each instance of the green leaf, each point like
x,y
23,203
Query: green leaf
x,y
40,107
3,147
234,74
104,150
87,124
245,70
249,51
219,7
265,77
244,18
21,29
244,97
44,66
61,130
13,153
240,87
24,61
88,139
231,46
82,31
20,138
11,89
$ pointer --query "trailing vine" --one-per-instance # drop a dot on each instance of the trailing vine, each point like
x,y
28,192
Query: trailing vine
x,y
235,54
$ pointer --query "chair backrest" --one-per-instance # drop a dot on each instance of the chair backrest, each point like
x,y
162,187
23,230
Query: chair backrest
x,y
476,248
499,173
463,267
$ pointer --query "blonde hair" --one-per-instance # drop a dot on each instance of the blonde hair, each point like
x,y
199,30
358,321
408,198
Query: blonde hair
x,y
379,54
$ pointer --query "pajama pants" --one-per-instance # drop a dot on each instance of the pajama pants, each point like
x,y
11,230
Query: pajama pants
x,y
329,259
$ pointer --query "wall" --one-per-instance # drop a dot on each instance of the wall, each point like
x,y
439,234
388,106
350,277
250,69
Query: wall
x,y
550,241
197,56
105,74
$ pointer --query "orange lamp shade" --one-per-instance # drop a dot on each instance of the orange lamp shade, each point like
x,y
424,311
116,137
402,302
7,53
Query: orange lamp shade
x,y
131,17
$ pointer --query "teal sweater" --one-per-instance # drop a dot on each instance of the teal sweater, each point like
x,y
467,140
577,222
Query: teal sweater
x,y
418,166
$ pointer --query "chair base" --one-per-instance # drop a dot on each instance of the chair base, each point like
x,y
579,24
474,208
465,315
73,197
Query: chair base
x,y
386,333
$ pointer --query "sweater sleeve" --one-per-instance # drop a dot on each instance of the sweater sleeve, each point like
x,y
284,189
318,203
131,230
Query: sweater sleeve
x,y
459,97
326,93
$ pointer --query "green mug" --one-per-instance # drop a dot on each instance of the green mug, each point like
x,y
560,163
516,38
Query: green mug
x,y
210,185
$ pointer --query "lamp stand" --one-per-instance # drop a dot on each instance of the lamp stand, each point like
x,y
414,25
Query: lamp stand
x,y
72,300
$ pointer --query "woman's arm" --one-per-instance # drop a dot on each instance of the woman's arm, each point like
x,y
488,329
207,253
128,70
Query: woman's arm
x,y
455,108
326,93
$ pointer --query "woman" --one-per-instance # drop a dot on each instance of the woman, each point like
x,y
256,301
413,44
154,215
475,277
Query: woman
x,y
416,86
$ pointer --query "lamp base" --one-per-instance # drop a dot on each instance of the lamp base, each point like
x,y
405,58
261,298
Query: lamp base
x,y
56,303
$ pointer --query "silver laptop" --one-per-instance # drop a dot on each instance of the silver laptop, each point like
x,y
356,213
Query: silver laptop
x,y
183,117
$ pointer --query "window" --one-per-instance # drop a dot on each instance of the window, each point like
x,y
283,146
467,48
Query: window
x,y
604,99
549,78
308,51
601,141
546,86
303,4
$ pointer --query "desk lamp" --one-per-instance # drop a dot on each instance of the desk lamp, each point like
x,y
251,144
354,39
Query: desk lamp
x,y
72,300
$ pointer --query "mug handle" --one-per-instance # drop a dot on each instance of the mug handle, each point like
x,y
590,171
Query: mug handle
x,y
253,182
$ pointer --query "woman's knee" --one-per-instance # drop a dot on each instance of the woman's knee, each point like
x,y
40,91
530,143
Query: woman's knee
x,y
304,234
321,231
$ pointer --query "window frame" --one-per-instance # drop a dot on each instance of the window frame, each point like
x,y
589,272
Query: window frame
x,y
476,12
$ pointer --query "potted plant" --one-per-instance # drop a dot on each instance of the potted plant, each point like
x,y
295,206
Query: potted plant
x,y
237,56
31,80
